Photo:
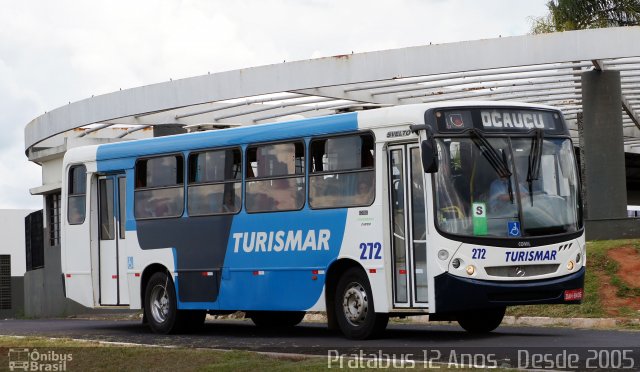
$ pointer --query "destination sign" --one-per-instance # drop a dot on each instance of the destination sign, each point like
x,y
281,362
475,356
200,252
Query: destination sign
x,y
506,120
516,119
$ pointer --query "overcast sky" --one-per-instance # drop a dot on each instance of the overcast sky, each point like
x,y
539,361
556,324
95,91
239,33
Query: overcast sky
x,y
53,52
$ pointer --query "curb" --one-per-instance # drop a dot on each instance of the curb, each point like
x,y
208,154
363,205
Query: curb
x,y
592,323
533,321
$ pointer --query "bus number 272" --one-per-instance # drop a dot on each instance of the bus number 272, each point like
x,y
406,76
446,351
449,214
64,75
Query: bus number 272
x,y
371,251
478,253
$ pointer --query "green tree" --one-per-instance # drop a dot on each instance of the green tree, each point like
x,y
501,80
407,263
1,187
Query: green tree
x,y
565,15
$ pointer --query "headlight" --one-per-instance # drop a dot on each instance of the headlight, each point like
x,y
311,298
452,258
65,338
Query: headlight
x,y
471,269
443,254
456,263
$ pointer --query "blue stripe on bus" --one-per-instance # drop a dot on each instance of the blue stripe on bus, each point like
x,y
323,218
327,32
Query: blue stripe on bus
x,y
122,155
275,280
279,280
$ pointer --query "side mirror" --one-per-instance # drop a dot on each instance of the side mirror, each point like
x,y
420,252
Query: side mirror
x,y
429,155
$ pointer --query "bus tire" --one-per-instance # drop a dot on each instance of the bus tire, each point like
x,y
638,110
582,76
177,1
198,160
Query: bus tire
x,y
481,321
354,307
276,319
160,304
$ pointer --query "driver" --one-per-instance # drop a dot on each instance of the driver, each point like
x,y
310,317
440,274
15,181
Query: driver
x,y
499,197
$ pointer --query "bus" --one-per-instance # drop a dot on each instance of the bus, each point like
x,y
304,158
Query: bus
x,y
453,210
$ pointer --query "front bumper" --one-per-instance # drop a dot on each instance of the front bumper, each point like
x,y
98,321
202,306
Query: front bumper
x,y
454,293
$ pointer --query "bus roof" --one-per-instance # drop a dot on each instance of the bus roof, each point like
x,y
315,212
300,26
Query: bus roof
x,y
316,126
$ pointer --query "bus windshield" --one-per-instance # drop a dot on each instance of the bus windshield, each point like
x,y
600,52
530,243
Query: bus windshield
x,y
506,186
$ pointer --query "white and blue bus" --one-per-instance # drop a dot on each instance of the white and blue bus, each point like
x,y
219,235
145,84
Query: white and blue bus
x,y
455,210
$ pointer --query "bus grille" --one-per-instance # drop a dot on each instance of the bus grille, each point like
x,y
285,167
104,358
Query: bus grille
x,y
521,271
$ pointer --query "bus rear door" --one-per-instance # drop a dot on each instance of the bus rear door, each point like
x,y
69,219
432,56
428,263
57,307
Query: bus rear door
x,y
111,224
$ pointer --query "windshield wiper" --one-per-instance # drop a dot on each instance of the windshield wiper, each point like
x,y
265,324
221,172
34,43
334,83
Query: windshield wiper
x,y
509,186
535,159
498,162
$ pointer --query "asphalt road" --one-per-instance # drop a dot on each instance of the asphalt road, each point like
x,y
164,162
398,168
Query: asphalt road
x,y
509,345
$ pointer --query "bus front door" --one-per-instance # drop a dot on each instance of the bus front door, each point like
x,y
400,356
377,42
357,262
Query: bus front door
x,y
408,226
111,224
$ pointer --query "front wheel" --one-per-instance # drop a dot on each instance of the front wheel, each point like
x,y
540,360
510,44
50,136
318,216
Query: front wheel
x,y
481,321
354,308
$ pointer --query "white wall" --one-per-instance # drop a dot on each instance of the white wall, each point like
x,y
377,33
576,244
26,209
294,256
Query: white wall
x,y
12,238
52,171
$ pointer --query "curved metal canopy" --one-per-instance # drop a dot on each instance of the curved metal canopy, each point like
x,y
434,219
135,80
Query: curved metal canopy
x,y
533,68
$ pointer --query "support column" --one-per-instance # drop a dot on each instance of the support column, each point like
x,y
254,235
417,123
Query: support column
x,y
602,146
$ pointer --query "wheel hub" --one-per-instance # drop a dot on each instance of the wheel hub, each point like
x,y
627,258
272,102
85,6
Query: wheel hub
x,y
355,304
159,304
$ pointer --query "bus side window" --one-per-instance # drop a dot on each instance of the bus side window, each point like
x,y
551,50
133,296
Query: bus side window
x,y
215,182
76,201
159,189
275,177
342,171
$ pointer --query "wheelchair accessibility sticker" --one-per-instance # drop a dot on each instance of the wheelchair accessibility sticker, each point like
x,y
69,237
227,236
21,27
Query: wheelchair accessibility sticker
x,y
513,228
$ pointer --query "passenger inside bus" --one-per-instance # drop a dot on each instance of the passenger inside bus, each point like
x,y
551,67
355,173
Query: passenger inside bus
x,y
364,194
284,194
229,203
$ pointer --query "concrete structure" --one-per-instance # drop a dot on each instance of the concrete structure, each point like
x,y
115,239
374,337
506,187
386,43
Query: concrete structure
x,y
43,286
602,141
561,69
12,251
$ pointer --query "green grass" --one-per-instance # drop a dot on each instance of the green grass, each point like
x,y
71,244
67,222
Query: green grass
x,y
93,356
592,306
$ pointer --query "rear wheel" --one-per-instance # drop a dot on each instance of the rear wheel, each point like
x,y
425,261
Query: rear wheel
x,y
481,321
161,308
276,319
160,304
354,307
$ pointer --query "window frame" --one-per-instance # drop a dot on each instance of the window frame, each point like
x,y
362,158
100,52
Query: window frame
x,y
53,217
346,171
76,195
302,175
189,184
136,189
106,202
